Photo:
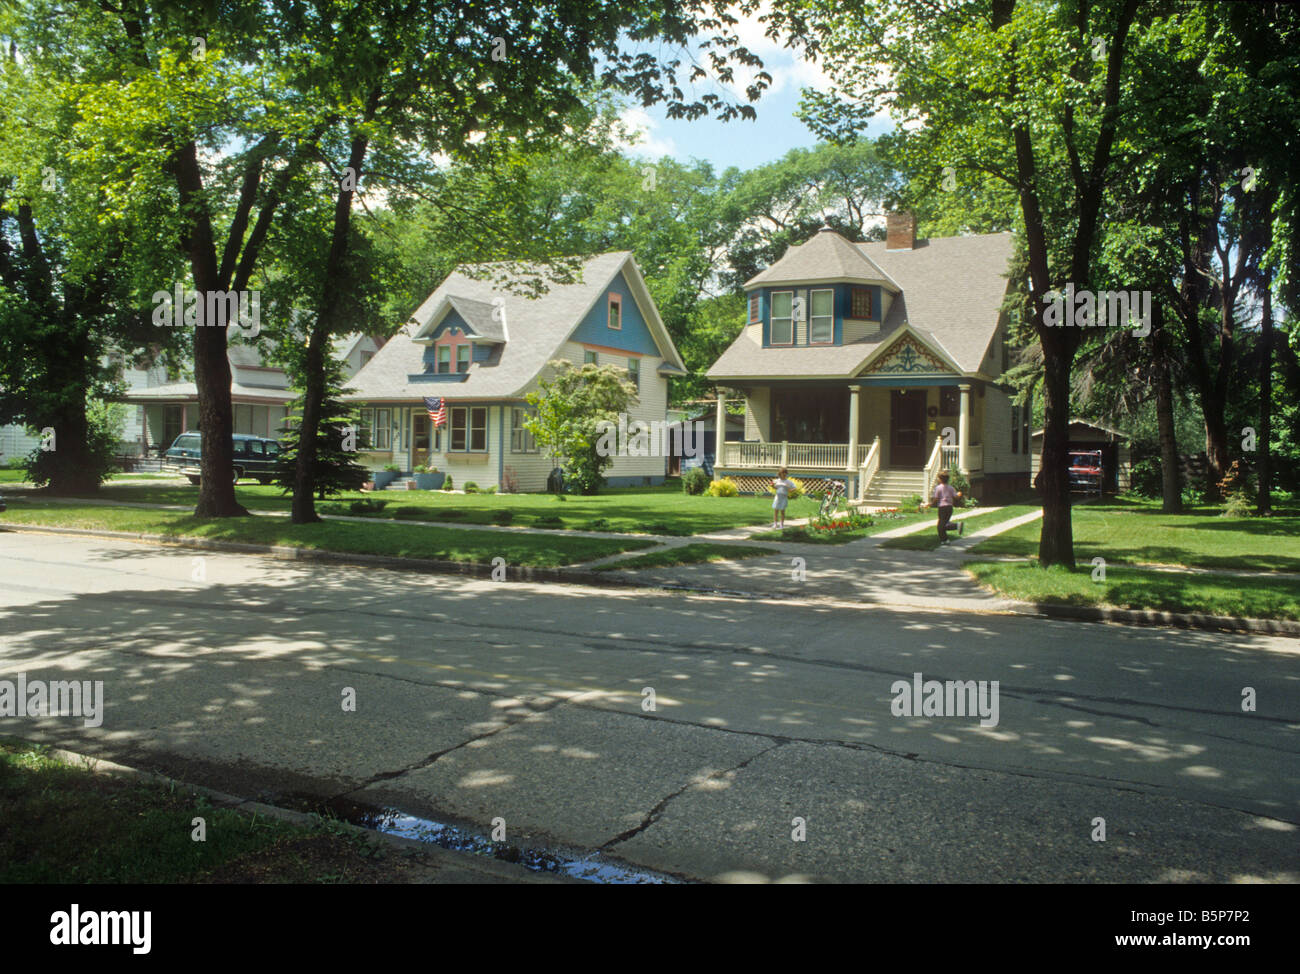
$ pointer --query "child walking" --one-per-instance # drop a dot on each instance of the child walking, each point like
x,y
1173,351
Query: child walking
x,y
782,486
943,498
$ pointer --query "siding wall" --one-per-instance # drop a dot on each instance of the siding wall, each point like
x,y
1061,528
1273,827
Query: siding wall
x,y
758,414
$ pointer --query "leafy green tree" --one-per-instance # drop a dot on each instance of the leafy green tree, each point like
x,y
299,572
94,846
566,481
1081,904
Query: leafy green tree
x,y
569,410
334,465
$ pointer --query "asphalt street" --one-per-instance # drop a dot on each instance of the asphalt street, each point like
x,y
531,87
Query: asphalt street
x,y
772,752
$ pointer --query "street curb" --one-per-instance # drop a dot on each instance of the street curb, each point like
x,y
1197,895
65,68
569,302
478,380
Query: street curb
x,y
526,573
1157,617
491,869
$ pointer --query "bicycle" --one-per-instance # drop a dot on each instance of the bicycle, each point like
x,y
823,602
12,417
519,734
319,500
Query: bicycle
x,y
830,505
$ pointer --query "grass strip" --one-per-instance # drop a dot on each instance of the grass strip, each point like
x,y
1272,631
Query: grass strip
x,y
689,554
395,540
1136,588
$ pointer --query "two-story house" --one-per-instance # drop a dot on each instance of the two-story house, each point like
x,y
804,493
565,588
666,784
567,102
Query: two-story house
x,y
480,343
876,365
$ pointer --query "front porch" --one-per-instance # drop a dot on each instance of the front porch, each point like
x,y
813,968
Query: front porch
x,y
881,442
818,465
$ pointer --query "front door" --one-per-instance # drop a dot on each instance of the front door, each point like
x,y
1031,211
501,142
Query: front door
x,y
419,438
907,428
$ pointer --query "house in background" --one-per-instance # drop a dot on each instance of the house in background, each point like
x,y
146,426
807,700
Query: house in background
x,y
259,393
480,347
1116,459
876,365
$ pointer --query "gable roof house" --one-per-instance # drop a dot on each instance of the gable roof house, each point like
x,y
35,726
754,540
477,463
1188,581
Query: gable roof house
x,y
259,394
876,365
479,346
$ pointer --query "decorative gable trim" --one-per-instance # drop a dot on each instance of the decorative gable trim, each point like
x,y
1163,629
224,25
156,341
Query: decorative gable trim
x,y
909,355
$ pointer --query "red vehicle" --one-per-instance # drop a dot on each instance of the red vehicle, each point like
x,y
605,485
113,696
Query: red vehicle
x,y
1086,472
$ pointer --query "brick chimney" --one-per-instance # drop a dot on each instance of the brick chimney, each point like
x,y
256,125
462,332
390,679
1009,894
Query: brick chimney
x,y
900,231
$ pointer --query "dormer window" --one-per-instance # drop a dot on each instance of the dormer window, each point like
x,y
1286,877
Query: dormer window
x,y
782,332
462,358
616,312
444,358
821,320
861,304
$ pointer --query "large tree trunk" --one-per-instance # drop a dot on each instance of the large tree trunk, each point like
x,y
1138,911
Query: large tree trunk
x,y
1171,490
1264,504
211,364
304,480
1056,542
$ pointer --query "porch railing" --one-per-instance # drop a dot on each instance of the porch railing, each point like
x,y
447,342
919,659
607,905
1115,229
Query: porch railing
x,y
869,467
974,457
931,472
864,449
816,456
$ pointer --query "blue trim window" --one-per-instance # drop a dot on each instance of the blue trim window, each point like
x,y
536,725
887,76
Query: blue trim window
x,y
782,318
821,317
589,358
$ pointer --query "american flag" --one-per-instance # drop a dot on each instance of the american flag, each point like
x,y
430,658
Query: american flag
x,y
437,407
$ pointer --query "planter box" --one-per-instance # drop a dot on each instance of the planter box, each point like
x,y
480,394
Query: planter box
x,y
429,481
383,478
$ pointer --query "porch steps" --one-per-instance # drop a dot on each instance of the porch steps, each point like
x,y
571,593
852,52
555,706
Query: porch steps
x,y
889,487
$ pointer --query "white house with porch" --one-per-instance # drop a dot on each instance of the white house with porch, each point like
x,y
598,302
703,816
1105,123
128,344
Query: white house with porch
x,y
877,365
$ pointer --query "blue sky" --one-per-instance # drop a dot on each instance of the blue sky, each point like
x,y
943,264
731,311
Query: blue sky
x,y
740,143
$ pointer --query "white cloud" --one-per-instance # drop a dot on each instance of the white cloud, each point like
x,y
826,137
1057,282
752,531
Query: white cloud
x,y
637,120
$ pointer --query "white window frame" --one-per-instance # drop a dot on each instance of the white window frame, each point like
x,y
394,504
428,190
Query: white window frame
x,y
828,319
521,440
773,319
615,311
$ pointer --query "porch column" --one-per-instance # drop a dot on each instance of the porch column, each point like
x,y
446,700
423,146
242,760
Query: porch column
x,y
851,465
963,430
185,412
720,434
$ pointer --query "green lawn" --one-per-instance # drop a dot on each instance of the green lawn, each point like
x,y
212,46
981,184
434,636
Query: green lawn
x,y
929,540
653,510
1128,530
61,823
689,554
399,540
801,535
1137,588
12,476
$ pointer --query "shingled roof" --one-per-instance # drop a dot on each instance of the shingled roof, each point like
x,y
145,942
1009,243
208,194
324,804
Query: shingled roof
x,y
952,290
826,256
534,329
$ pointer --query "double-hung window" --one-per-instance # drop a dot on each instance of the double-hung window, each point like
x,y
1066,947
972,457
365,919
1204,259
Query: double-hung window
x,y
521,440
589,358
782,329
444,358
469,429
634,372
462,358
821,318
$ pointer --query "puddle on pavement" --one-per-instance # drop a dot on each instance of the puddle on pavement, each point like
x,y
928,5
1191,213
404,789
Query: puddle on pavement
x,y
590,866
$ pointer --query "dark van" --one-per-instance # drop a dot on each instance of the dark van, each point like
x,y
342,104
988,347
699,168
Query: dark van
x,y
253,457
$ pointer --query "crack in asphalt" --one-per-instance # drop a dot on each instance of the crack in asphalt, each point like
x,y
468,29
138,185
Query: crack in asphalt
x,y
653,815
536,711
